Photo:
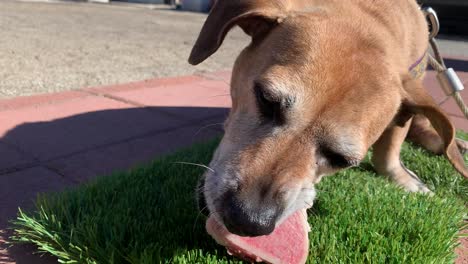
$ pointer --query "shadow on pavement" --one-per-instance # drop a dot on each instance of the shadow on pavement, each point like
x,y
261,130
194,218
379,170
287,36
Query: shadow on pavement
x,y
458,65
68,151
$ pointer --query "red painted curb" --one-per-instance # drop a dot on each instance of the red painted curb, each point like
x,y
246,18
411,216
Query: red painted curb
x,y
37,100
207,79
45,99
150,83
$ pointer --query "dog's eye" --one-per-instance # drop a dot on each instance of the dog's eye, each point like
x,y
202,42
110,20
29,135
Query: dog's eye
x,y
270,108
335,160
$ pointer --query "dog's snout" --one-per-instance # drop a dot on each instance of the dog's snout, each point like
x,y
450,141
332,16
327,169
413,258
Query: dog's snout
x,y
246,218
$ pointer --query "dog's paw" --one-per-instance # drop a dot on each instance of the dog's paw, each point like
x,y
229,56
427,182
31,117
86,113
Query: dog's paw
x,y
414,186
462,146
409,181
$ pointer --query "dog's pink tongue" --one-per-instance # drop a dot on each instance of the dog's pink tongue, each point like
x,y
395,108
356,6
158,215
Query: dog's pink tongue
x,y
289,242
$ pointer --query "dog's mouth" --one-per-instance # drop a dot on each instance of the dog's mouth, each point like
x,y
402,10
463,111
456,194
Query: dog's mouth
x,y
243,219
201,200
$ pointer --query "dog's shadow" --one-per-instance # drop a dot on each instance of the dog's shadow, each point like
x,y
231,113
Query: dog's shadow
x,y
64,152
367,167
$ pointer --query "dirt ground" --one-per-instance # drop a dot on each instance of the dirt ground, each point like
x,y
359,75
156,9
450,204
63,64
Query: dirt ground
x,y
50,47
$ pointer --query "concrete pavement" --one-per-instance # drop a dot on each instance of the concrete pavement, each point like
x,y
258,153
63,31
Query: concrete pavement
x,y
51,47
50,142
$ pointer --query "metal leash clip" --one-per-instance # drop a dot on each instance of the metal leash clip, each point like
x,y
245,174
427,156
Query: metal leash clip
x,y
450,81
432,20
447,77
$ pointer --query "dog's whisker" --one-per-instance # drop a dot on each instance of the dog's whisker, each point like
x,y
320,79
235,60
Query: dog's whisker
x,y
320,191
195,164
199,189
219,95
215,214
219,226
311,189
444,100
313,212
224,81
207,189
198,216
304,212
201,210
308,204
205,127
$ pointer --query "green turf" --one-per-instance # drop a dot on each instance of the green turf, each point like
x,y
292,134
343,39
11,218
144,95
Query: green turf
x,y
149,215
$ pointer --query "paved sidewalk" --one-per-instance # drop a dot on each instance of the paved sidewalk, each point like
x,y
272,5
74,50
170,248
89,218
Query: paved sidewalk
x,y
67,45
49,142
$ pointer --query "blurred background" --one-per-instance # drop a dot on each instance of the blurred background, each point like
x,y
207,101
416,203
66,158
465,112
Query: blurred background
x,y
453,15
50,46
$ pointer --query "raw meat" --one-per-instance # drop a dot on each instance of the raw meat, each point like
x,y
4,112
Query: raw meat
x,y
288,244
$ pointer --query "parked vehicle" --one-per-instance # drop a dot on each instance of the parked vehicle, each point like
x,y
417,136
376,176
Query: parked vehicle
x,y
176,3
196,5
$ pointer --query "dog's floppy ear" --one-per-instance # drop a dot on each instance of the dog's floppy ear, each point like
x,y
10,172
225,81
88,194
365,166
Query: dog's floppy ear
x,y
253,16
418,101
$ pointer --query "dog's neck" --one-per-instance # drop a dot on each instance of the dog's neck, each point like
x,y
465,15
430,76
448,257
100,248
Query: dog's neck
x,y
419,67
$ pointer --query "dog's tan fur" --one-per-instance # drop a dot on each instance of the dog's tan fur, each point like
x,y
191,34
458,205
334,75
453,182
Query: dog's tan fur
x,y
345,66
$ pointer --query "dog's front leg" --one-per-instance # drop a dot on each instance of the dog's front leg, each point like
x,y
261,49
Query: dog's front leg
x,y
386,159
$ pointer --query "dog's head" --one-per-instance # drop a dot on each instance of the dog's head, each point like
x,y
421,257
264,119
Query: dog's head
x,y
307,101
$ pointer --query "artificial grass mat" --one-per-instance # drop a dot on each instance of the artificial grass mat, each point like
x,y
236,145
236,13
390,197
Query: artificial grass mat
x,y
149,215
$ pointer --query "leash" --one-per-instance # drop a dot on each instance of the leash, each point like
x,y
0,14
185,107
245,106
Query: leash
x,y
447,77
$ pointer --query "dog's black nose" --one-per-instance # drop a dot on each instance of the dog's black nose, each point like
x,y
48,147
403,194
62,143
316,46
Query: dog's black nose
x,y
247,219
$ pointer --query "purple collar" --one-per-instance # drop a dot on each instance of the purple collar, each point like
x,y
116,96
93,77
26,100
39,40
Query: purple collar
x,y
418,68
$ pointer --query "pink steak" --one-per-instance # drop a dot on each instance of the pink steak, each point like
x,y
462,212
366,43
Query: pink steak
x,y
288,244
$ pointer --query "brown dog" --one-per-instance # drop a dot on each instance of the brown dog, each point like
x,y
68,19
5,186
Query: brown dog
x,y
321,82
